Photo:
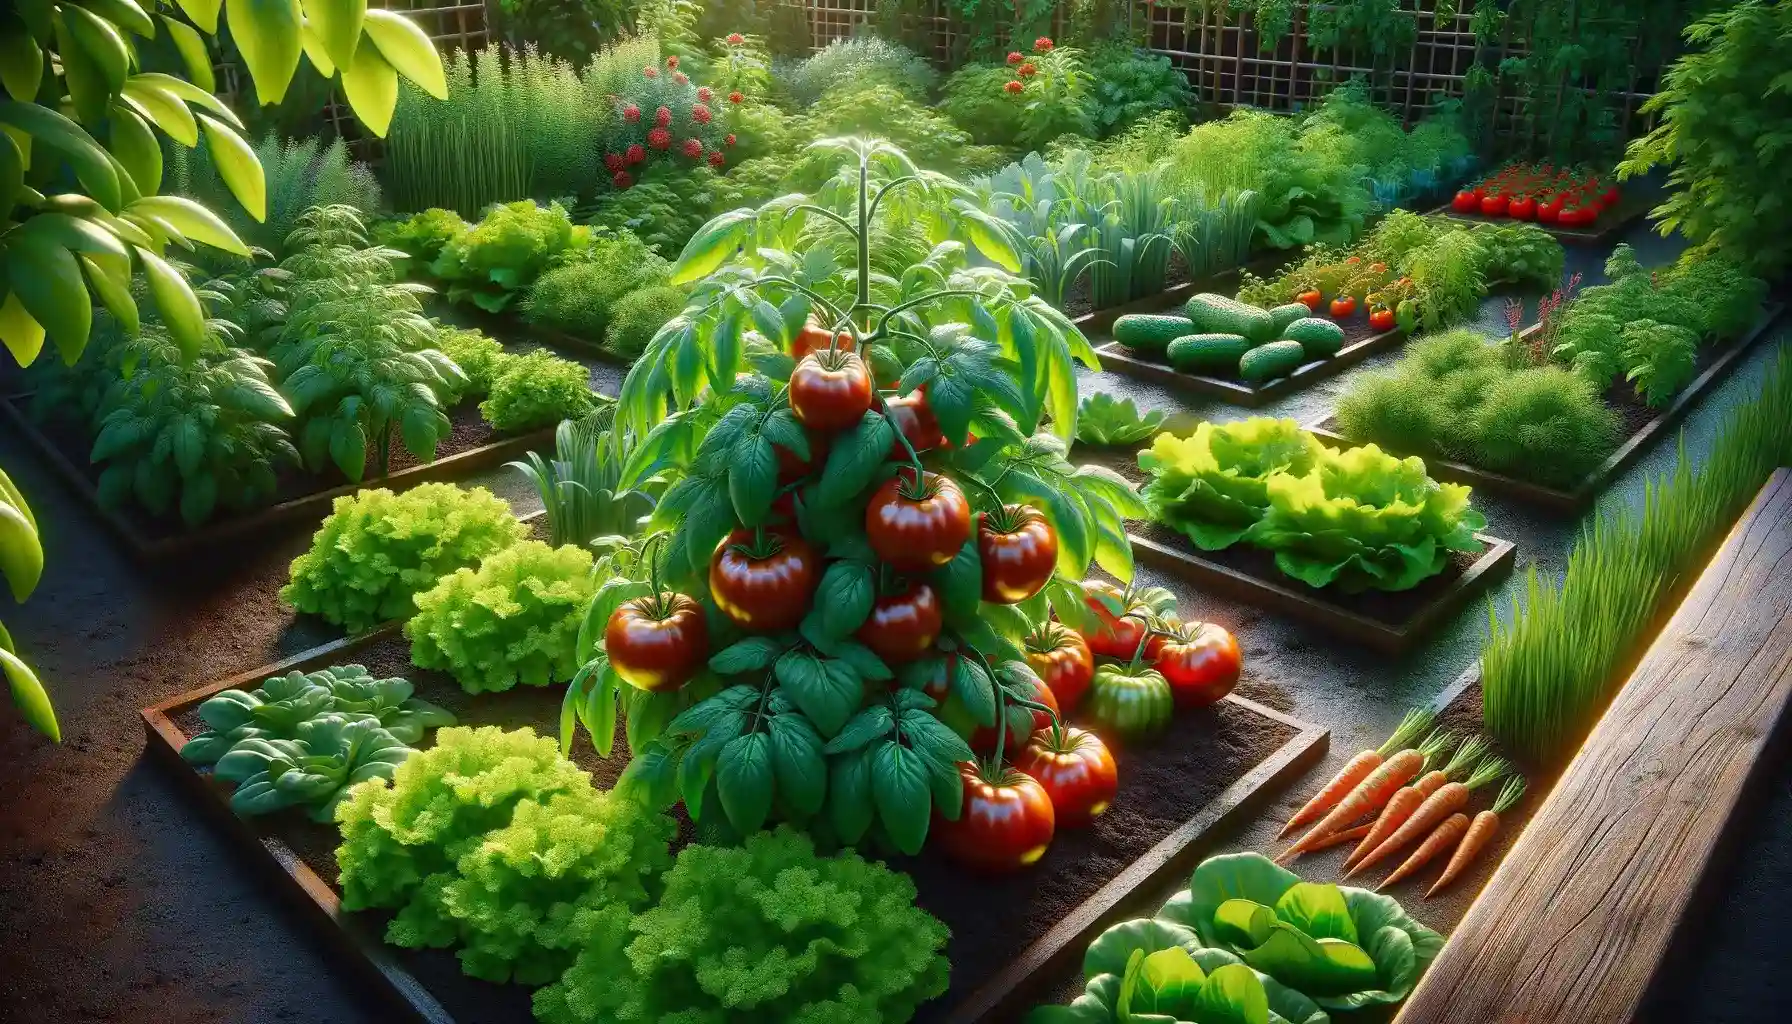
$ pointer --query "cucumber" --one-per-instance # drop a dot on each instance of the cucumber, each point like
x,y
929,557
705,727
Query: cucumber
x,y
1276,359
1216,314
1150,333
1286,314
1208,353
1319,337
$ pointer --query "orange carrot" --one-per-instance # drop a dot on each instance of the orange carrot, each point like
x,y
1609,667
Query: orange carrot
x,y
1446,835
1365,799
1449,798
1415,722
1339,838
1480,833
1402,804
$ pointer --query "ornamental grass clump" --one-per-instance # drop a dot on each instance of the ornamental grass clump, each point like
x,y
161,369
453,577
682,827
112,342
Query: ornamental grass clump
x,y
378,549
514,619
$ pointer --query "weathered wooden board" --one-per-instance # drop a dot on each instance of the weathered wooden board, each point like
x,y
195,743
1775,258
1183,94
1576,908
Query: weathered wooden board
x,y
1575,923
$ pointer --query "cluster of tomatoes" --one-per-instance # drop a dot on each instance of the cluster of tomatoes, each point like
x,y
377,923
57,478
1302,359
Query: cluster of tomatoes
x,y
1129,676
1540,192
1381,293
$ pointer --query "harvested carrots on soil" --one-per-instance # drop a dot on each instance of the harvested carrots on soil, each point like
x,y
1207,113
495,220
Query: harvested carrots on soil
x,y
1402,804
1480,833
1365,799
1415,722
1446,835
1450,798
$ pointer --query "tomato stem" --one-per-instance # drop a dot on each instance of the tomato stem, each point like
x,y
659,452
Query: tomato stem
x,y
914,457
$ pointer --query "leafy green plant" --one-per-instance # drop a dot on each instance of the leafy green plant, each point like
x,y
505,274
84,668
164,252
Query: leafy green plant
x,y
1343,947
1103,420
376,550
536,389
1663,358
857,60
663,117
281,705
314,770
300,174
1213,485
577,297
1523,255
639,315
420,237
477,354
768,931
581,487
664,208
22,563
1721,134
497,259
493,842
1028,102
1026,196
1132,83
514,619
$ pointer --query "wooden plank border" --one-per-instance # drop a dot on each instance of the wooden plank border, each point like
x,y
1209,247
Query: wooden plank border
x,y
1574,500
1117,357
1294,599
307,508
1008,993
1580,916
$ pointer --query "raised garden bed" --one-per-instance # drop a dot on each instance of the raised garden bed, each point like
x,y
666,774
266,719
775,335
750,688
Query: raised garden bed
x,y
1360,342
1643,427
301,499
1388,622
1632,207
1011,938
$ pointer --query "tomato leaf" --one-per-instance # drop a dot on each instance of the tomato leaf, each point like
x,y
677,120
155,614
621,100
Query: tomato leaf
x,y
973,687
645,715
782,429
844,598
923,672
899,788
872,723
960,581
855,459
826,691
744,781
935,739
797,763
749,655
753,478
866,663
849,795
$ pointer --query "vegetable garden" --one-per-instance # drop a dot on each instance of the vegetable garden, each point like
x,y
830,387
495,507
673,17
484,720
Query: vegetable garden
x,y
668,515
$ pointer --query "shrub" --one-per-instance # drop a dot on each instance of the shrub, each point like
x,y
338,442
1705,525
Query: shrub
x,y
577,297
664,209
299,174
513,619
536,390
493,841
866,59
764,931
501,256
639,315
477,355
377,549
1131,84
1052,99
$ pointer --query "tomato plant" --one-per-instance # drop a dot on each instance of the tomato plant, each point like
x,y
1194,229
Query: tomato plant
x,y
1311,298
1007,821
830,391
1019,553
914,423
1381,319
1062,659
1200,661
903,625
1031,706
917,521
763,581
813,337
657,642
1076,770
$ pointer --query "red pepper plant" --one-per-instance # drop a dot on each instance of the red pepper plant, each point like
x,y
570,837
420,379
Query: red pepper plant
x,y
872,530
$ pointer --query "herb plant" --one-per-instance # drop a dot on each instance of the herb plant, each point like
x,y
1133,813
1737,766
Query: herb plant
x,y
376,550
514,619
581,487
497,259
638,316
1026,103
537,389
314,770
577,297
300,174
420,238
859,60
478,355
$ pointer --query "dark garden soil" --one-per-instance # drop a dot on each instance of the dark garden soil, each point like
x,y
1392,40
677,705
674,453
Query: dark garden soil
x,y
1079,302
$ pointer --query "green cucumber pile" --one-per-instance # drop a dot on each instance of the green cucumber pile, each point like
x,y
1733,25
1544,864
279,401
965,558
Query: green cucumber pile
x,y
1222,336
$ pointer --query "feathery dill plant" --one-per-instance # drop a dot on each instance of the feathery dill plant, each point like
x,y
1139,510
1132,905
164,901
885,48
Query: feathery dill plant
x,y
300,174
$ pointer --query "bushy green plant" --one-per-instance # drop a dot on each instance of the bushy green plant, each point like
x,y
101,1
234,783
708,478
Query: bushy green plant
x,y
513,619
497,259
1028,102
663,117
536,390
879,111
1131,84
581,487
300,174
663,209
858,60
1104,420
764,931
1662,359
421,237
277,708
1722,130
1543,423
477,354
639,315
1213,485
571,30
314,770
578,297
1518,254
378,549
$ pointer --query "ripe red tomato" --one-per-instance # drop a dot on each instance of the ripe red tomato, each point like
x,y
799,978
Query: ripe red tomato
x,y
830,391
763,583
1465,202
815,338
1019,550
1006,822
1343,307
1493,206
913,417
1310,299
1061,657
1077,772
903,625
917,526
657,642
1522,208
1201,662
1381,319
1119,636
983,737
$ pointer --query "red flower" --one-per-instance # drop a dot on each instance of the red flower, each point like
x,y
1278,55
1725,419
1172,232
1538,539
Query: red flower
x,y
613,161
631,113
728,140
1027,70
1014,87
704,93
700,114
659,138
1043,44
634,154
735,97
717,159
650,71
735,39
672,61
693,148
1014,57
662,117
681,78
621,179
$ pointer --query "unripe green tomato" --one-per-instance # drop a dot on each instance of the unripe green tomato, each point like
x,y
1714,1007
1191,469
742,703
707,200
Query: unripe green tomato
x,y
1130,704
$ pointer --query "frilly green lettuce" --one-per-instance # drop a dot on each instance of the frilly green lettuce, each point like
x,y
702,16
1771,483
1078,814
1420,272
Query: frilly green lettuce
x,y
1213,485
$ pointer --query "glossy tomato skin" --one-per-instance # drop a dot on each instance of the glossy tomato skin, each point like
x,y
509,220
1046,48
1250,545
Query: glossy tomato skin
x,y
1381,320
1311,298
1201,663
1493,206
913,417
1522,208
1465,202
983,738
763,594
1131,704
830,393
903,626
815,338
654,651
917,529
1005,824
1061,657
1017,562
1078,774
1118,637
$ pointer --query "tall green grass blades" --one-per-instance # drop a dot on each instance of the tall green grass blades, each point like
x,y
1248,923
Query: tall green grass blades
x,y
1551,666
581,486
1211,235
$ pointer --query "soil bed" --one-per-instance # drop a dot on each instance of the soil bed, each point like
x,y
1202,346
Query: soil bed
x,y
1009,934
